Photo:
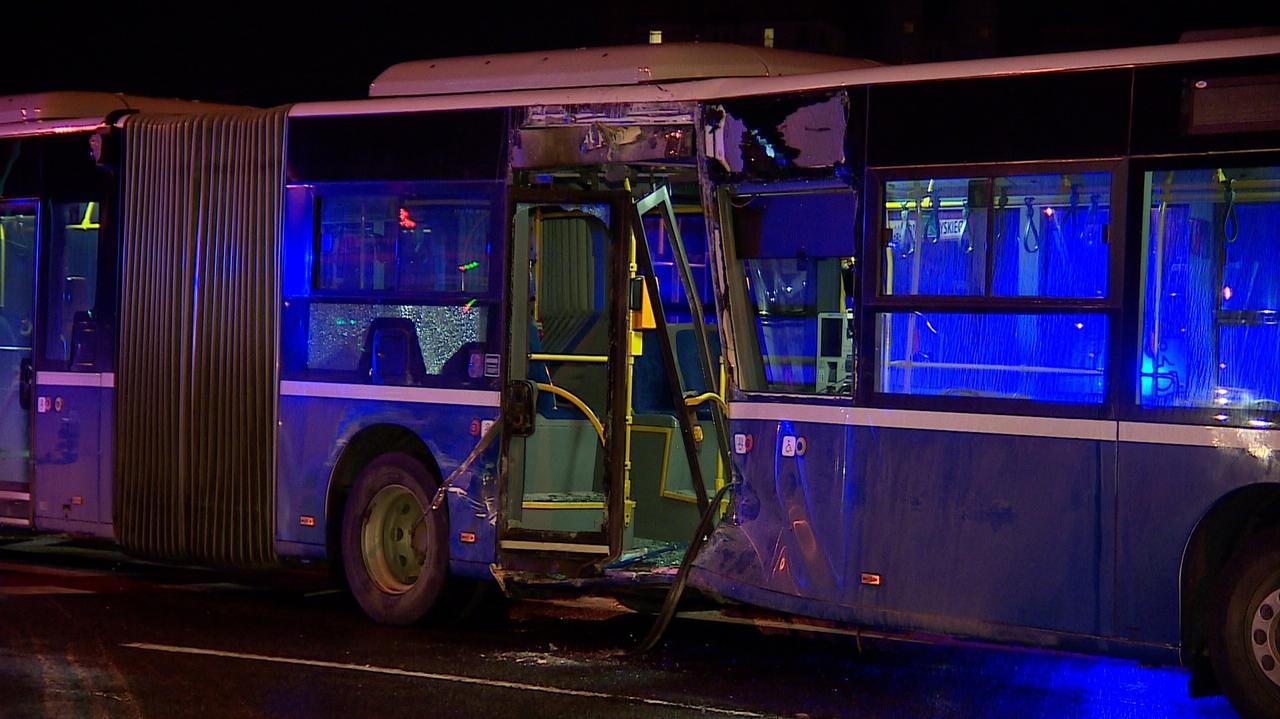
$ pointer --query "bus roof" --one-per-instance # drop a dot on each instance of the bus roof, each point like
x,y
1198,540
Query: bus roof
x,y
57,112
859,72
596,66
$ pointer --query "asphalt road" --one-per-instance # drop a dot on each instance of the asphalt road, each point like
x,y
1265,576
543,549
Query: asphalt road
x,y
85,632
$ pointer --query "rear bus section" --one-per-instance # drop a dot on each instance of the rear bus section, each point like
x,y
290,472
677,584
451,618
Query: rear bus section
x,y
1005,379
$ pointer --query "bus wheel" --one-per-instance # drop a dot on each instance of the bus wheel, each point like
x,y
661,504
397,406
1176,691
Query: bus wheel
x,y
1244,637
394,546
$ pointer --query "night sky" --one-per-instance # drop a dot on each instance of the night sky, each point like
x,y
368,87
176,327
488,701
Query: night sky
x,y
241,52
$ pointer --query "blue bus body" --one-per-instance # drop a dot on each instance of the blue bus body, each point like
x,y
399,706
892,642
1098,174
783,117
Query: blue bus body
x,y
970,390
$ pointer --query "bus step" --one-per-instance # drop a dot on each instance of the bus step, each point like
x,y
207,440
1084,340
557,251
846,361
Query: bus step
x,y
15,505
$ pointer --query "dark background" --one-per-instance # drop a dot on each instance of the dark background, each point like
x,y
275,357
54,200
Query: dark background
x,y
266,53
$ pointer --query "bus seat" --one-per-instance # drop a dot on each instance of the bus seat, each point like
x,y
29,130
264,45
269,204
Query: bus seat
x,y
392,354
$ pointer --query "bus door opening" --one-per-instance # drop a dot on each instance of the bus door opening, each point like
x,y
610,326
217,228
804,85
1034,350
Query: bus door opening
x,y
18,233
563,374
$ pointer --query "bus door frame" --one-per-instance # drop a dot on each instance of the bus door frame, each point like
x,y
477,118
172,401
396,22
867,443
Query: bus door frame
x,y
547,551
27,366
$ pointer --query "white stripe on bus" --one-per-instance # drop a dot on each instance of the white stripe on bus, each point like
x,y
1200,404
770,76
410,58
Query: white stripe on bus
x,y
76,379
1094,429
390,393
1054,427
1230,437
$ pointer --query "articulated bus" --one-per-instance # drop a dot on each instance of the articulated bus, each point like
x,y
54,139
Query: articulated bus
x,y
981,349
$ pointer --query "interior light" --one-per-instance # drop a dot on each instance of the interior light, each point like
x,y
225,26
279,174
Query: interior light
x,y
1079,325
1226,293
1048,212
405,220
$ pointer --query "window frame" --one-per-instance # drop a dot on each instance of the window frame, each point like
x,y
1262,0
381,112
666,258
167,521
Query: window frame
x,y
302,237
739,305
872,301
315,200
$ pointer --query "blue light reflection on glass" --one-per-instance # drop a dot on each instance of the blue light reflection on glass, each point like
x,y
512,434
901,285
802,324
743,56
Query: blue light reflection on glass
x,y
1210,331
1048,357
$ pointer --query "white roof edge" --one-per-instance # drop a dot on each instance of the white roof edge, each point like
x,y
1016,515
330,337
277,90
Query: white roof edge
x,y
49,127
742,87
599,66
48,113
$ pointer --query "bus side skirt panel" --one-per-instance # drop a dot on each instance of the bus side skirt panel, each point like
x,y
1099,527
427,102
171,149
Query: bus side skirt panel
x,y
308,455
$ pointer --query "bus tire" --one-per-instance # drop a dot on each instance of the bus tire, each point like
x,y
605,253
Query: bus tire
x,y
1244,632
395,552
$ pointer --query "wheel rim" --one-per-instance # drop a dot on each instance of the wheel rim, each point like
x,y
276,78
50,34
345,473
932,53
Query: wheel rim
x,y
393,539
1264,631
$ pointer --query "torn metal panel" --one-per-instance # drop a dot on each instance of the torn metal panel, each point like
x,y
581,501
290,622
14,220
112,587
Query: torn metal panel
x,y
600,143
771,138
573,135
635,113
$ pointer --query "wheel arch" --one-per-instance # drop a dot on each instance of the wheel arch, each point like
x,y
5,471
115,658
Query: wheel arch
x,y
363,447
1222,529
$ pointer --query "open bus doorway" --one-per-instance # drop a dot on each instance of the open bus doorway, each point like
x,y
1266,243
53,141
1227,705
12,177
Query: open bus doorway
x,y
18,233
605,344
564,356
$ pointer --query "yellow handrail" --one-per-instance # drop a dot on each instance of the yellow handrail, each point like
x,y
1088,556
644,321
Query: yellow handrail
x,y
706,397
582,406
547,357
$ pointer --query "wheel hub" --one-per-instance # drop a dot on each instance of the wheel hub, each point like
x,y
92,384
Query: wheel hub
x,y
394,539
1263,635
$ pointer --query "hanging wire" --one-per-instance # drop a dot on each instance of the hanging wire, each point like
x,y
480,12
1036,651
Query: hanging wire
x,y
1078,229
1230,223
965,236
908,235
1091,220
1031,238
1001,205
932,217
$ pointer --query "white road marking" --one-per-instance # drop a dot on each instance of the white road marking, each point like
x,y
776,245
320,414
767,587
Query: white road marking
x,y
392,671
24,591
20,568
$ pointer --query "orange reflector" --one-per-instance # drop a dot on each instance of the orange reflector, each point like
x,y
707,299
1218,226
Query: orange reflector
x,y
307,521
467,537
870,579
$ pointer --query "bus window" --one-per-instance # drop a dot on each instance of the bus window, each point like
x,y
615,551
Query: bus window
x,y
693,231
973,241
1046,235
1211,292
939,237
73,272
404,271
1049,237
389,242
1049,357
796,251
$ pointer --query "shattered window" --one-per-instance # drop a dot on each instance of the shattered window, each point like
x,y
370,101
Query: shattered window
x,y
780,137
